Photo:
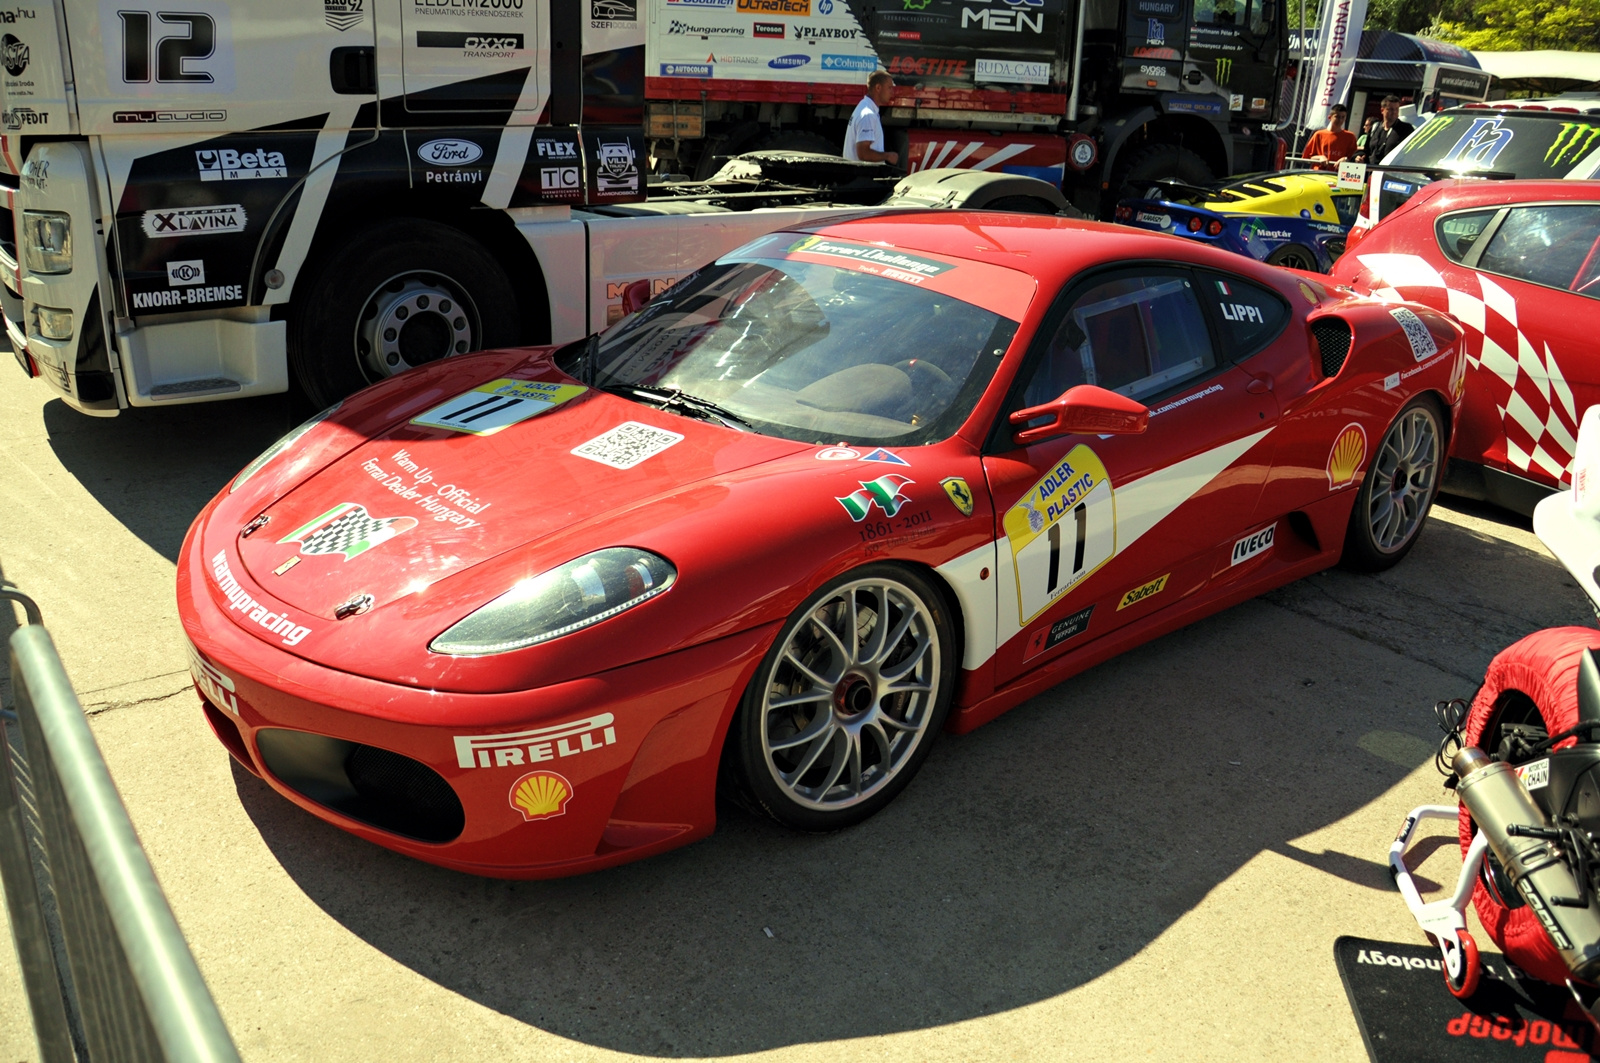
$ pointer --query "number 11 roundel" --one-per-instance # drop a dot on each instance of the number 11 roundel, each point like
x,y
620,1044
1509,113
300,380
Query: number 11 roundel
x,y
1063,529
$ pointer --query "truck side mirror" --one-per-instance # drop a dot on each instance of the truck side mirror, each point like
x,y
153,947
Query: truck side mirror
x,y
1082,410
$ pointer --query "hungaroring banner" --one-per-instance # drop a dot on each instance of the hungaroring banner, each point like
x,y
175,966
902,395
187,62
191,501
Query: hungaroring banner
x,y
1338,37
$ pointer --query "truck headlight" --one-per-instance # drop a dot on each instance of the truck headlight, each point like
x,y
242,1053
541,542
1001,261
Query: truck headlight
x,y
49,323
47,241
569,597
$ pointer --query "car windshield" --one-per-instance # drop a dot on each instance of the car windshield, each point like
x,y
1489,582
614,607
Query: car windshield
x,y
1527,145
812,351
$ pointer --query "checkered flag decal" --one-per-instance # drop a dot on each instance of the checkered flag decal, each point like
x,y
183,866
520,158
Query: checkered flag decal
x,y
1532,396
347,529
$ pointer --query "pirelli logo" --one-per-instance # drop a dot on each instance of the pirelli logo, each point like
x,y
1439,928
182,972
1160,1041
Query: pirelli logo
x,y
541,744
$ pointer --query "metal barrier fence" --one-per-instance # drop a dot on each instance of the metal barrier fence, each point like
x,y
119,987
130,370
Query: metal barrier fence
x,y
108,974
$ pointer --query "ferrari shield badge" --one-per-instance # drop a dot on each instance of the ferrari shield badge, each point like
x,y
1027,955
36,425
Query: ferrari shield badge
x,y
348,530
1061,531
959,493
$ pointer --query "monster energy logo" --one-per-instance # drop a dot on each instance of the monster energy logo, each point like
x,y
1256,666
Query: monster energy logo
x,y
1576,137
1428,132
1224,71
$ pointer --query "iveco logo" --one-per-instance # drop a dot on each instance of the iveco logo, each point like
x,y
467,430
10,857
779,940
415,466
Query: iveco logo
x,y
449,152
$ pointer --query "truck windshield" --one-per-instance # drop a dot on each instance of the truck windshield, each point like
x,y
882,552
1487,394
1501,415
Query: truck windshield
x,y
1256,14
812,352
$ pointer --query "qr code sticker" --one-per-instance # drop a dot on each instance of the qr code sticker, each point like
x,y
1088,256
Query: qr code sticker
x,y
627,445
1417,334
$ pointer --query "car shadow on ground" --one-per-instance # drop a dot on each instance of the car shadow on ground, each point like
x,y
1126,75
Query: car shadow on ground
x,y
154,469
1027,858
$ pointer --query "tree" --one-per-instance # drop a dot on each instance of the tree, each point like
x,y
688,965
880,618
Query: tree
x,y
1520,25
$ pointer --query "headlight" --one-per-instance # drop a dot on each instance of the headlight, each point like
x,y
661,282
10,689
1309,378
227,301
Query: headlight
x,y
569,597
52,324
47,241
280,446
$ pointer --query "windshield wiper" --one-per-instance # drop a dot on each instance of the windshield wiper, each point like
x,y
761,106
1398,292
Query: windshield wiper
x,y
680,401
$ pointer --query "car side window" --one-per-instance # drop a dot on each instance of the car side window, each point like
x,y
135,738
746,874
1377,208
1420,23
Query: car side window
x,y
1347,205
1458,233
1136,335
1248,316
1553,245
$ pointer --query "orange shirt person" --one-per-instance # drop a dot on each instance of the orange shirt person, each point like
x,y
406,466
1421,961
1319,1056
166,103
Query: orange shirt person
x,y
1327,147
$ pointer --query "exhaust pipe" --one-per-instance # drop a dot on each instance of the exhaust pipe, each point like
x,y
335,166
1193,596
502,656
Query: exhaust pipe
x,y
1520,836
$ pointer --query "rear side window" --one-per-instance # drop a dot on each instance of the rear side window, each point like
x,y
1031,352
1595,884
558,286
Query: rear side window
x,y
1248,316
1550,245
1348,204
1458,233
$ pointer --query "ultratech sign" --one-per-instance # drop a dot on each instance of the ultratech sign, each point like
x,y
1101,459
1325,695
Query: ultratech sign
x,y
473,45
774,7
226,164
193,221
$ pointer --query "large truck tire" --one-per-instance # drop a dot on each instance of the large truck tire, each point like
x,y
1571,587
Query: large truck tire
x,y
403,293
1136,173
799,140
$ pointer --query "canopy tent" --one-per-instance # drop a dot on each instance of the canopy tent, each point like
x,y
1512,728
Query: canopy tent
x,y
1543,71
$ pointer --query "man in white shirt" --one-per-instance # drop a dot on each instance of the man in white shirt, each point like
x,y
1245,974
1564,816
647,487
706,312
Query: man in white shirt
x,y
863,142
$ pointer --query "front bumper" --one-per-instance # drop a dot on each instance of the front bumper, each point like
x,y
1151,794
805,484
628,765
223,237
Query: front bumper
x,y
635,749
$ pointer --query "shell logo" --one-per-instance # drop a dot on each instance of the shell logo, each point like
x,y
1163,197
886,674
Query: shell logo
x,y
540,795
1344,460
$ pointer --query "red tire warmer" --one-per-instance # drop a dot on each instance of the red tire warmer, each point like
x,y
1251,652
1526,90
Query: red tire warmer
x,y
1543,666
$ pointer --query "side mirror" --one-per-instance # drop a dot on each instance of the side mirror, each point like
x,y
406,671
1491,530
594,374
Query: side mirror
x,y
1083,410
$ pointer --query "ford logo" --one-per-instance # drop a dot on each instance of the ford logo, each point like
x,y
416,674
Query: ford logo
x,y
449,152
789,62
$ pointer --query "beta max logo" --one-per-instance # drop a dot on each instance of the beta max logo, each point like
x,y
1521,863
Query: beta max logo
x,y
449,152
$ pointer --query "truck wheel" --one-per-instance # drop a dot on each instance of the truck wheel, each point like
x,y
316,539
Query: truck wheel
x,y
1152,163
403,293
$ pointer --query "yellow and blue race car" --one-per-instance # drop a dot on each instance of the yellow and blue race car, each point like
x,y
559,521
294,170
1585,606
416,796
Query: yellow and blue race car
x,y
1297,219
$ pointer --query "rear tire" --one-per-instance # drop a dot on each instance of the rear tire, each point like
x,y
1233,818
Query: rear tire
x,y
1399,487
403,293
1294,256
1152,163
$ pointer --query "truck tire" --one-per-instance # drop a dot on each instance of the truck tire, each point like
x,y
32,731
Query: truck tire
x,y
1151,163
798,140
403,293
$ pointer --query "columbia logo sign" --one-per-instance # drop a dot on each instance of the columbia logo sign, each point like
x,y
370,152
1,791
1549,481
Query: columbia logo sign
x,y
531,747
225,164
449,152
192,271
194,221
1251,545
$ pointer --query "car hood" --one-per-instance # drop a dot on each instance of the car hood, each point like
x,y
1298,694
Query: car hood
x,y
415,505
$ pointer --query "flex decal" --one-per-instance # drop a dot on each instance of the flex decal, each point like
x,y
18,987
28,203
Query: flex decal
x,y
1062,530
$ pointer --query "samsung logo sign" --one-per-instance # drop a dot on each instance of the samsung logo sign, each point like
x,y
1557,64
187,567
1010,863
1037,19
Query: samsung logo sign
x,y
449,152
789,62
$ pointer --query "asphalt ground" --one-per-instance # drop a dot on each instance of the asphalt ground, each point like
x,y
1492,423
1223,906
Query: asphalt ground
x,y
1153,859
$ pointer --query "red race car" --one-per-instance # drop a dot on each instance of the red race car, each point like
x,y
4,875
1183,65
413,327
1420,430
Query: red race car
x,y
1518,264
511,612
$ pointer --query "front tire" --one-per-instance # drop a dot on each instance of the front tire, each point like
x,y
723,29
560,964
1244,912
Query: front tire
x,y
401,294
1398,490
1294,256
848,701
1152,163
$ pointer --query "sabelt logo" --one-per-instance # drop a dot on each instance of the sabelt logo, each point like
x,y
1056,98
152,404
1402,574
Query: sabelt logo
x,y
536,745
1148,590
193,221
918,66
1253,544
801,8
448,152
768,30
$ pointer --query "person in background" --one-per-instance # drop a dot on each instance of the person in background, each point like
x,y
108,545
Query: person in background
x,y
863,141
1328,147
1361,141
1388,136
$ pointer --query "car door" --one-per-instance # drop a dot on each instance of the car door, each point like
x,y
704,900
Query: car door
x,y
1096,531
1526,280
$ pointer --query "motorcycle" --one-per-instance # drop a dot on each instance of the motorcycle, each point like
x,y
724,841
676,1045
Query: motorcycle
x,y
1524,760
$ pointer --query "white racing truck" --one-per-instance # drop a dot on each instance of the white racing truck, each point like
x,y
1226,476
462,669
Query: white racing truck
x,y
210,196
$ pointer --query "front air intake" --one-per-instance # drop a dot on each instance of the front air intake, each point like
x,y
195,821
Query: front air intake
x,y
1333,341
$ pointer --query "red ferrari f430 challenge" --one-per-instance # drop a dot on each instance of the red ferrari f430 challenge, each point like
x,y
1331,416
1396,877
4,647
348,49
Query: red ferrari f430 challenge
x,y
515,612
